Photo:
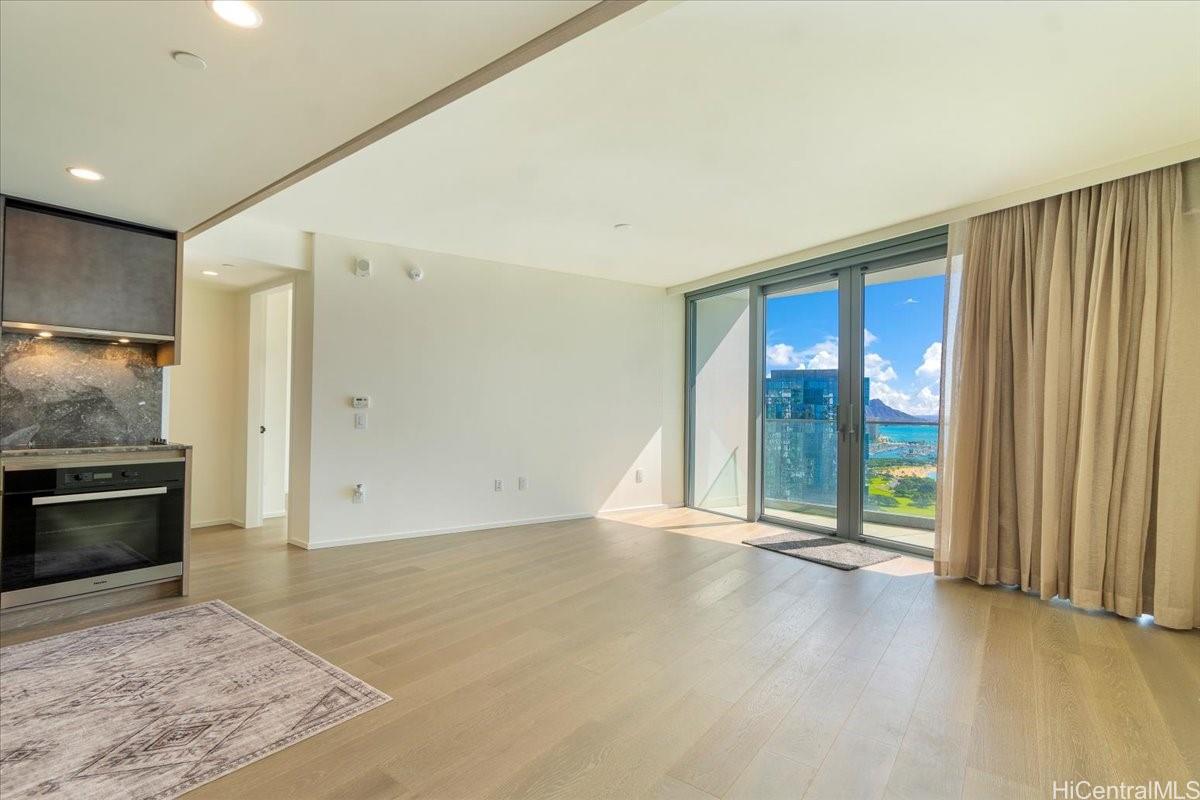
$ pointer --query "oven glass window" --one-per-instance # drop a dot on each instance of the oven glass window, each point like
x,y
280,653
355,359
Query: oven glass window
x,y
69,541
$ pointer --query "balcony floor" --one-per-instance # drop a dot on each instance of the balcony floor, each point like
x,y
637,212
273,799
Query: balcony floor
x,y
900,534
914,537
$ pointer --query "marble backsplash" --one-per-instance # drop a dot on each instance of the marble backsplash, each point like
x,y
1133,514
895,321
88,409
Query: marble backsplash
x,y
65,392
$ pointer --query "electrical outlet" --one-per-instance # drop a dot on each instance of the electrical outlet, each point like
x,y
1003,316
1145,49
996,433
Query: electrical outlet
x,y
639,475
360,493
522,483
498,486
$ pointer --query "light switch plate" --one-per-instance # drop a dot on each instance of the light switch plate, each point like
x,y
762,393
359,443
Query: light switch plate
x,y
360,420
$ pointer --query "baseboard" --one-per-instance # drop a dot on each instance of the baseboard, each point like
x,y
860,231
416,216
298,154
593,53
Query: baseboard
x,y
486,526
651,507
273,514
208,523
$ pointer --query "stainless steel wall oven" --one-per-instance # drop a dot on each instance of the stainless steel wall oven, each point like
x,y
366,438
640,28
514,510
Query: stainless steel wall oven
x,y
73,530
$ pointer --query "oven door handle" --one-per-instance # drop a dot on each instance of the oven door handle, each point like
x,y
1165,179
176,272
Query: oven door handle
x,y
85,496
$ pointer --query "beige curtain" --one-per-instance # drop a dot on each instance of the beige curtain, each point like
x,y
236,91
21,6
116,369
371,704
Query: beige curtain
x,y
1058,320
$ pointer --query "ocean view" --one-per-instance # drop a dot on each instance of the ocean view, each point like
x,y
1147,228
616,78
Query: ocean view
x,y
923,434
910,443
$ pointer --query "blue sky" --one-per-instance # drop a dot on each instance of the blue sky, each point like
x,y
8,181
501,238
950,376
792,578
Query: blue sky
x,y
904,324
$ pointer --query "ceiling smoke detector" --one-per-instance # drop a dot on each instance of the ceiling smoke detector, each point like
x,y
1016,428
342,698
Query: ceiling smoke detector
x,y
189,60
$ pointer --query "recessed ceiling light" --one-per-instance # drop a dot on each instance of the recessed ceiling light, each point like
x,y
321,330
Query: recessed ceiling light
x,y
85,174
622,226
236,12
45,334
189,60
210,273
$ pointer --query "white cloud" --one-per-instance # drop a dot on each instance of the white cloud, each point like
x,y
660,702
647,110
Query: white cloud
x,y
823,355
869,338
781,355
910,301
878,368
931,362
925,403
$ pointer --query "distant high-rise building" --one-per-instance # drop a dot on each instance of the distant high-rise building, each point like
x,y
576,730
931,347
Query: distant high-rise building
x,y
800,437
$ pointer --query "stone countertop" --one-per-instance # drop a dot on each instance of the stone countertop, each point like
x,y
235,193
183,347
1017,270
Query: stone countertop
x,y
95,450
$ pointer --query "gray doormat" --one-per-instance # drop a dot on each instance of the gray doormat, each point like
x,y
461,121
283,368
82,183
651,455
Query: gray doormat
x,y
151,707
823,549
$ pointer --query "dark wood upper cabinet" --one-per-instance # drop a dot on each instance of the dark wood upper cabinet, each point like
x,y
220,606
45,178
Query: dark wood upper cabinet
x,y
66,270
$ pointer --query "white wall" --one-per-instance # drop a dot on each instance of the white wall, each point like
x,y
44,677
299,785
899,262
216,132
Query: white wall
x,y
300,420
277,372
720,479
674,409
481,371
203,408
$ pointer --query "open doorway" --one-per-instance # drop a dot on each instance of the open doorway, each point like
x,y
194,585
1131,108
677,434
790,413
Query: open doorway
x,y
268,397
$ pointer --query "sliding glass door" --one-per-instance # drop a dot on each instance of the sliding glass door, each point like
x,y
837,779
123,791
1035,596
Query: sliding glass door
x,y
801,432
902,364
813,394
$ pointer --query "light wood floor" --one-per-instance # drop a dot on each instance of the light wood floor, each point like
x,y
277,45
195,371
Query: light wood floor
x,y
641,656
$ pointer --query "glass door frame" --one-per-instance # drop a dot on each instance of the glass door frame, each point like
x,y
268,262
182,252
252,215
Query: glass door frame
x,y
860,300
850,267
846,429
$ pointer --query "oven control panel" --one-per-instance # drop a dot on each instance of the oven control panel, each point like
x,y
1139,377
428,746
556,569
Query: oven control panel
x,y
97,477
119,475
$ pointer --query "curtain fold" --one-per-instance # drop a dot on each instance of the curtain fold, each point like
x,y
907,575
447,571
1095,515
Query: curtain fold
x,y
1058,326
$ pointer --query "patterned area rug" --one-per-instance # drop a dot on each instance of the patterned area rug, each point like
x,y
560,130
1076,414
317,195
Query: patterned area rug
x,y
154,706
822,549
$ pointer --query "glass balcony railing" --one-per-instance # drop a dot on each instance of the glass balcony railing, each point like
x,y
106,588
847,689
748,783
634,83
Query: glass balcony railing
x,y
800,468
900,473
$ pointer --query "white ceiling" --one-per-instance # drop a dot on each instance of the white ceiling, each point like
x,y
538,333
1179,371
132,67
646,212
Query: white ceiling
x,y
245,253
731,132
93,83
233,274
